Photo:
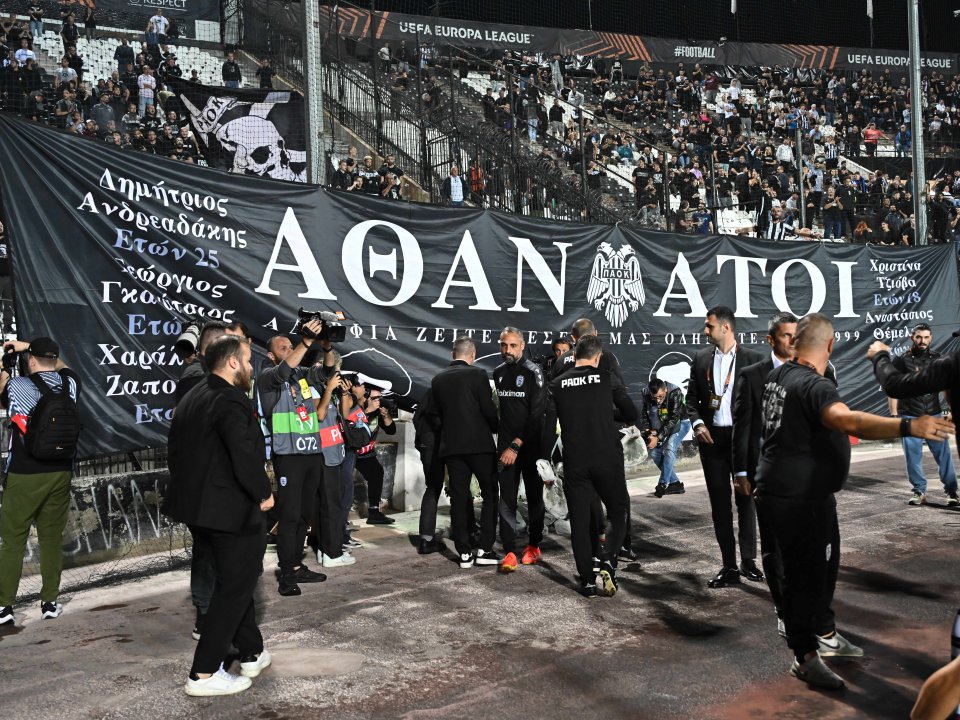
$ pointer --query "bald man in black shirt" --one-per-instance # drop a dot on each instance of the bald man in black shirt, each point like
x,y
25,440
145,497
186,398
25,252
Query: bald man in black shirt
x,y
805,459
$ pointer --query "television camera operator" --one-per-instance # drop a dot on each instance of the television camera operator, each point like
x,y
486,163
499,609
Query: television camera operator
x,y
285,392
40,466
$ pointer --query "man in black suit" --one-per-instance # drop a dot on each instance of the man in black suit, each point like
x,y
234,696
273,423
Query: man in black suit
x,y
219,488
714,378
463,403
747,427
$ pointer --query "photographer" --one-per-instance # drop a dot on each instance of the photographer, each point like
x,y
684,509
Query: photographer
x,y
664,424
38,481
285,395
369,397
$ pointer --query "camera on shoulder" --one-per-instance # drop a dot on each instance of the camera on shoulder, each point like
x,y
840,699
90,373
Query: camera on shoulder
x,y
332,328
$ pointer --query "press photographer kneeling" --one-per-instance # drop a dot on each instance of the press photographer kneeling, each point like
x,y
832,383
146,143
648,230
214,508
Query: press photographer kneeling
x,y
42,405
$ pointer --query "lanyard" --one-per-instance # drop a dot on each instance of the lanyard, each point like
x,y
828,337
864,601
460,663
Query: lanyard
x,y
726,384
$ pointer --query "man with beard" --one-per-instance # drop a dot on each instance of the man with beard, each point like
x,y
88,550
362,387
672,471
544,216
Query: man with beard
x,y
910,363
520,390
714,379
219,488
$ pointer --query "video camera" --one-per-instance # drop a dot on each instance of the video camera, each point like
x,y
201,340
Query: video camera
x,y
332,329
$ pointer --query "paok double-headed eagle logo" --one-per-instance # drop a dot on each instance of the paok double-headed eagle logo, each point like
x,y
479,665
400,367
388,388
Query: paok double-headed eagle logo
x,y
616,287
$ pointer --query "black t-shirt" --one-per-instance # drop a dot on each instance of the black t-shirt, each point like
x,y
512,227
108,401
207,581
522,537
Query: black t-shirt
x,y
588,402
800,458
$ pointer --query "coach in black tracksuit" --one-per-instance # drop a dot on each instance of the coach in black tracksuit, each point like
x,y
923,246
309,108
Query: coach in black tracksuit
x,y
521,393
467,417
583,400
609,364
714,378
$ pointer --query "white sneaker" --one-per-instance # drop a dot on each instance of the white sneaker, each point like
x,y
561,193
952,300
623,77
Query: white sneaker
x,y
342,561
781,628
251,668
838,647
815,673
6,614
220,683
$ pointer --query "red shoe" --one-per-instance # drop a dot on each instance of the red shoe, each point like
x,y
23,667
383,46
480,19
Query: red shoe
x,y
531,555
509,563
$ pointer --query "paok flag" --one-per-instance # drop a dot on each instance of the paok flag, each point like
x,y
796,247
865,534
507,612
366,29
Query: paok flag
x,y
253,132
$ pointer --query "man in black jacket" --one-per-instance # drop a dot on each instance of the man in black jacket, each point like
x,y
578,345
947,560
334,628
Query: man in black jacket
x,y
608,363
521,394
219,488
663,423
588,403
912,362
468,418
714,378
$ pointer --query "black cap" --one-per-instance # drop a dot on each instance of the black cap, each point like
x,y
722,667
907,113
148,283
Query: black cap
x,y
44,347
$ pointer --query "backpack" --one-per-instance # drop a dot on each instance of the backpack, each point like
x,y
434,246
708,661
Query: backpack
x,y
53,429
356,436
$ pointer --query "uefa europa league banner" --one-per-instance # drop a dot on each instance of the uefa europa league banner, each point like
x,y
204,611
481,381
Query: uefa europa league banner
x,y
115,252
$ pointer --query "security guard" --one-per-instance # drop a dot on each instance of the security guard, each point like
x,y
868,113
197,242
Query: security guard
x,y
583,400
520,390
468,418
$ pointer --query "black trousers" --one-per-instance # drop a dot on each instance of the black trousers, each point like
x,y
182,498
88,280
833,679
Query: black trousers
x,y
298,477
433,470
328,525
582,486
372,471
717,461
509,481
807,538
460,469
598,521
237,562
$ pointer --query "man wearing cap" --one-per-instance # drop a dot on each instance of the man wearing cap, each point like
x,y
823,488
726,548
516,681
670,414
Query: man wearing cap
x,y
37,491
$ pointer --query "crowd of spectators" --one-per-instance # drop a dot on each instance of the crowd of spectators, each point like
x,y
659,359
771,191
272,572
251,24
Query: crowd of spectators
x,y
364,176
126,109
728,145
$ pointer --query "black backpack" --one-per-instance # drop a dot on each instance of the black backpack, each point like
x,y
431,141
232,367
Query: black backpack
x,y
53,429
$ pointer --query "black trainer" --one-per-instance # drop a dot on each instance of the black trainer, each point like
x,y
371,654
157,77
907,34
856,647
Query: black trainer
x,y
627,554
659,489
288,585
426,547
676,488
588,590
375,517
6,614
303,574
486,557
50,610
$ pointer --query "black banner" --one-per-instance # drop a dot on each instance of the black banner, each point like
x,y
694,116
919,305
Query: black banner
x,y
397,27
253,132
112,255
